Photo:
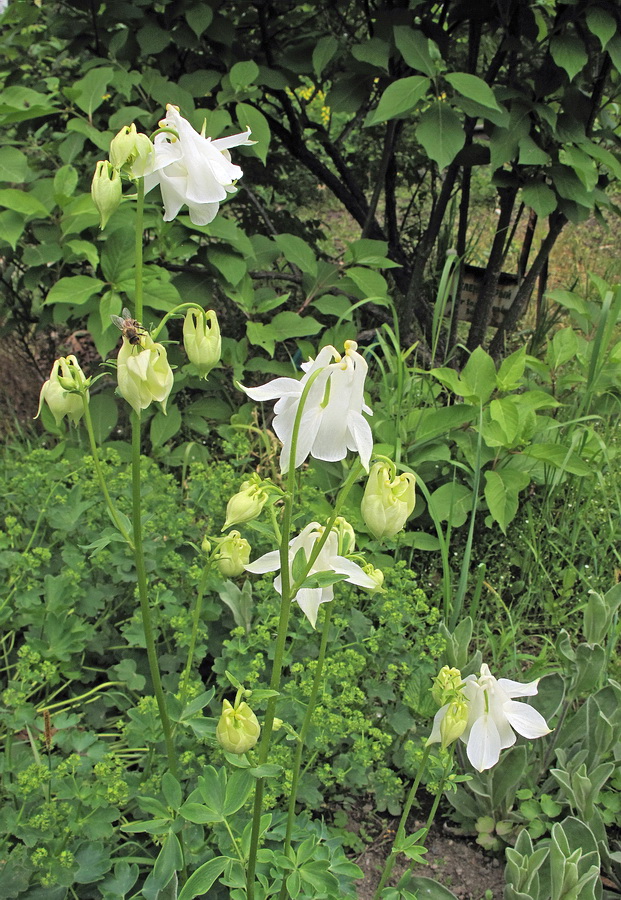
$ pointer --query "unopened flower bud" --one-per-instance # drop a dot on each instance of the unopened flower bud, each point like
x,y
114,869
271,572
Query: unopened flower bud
x,y
144,373
447,685
106,190
233,555
277,724
238,729
131,150
376,574
346,536
64,390
206,547
388,500
246,504
201,339
454,722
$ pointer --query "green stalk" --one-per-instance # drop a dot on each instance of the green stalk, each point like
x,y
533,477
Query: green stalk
x,y
390,862
145,610
308,715
196,617
114,513
138,248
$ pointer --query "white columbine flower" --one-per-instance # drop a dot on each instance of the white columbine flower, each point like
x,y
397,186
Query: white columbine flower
x,y
310,599
192,170
494,717
332,421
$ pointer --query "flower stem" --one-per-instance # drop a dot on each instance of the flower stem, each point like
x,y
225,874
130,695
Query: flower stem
x,y
196,617
114,513
308,715
145,609
138,248
390,862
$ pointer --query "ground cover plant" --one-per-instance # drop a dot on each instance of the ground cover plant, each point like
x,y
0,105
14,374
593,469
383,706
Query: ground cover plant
x,y
227,622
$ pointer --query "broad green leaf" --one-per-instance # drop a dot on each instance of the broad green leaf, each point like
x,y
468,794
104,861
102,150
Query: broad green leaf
x,y
89,92
203,878
298,252
428,423
231,265
414,47
152,39
372,284
118,256
562,348
65,183
505,412
399,98
105,414
427,889
558,456
101,139
11,227
511,370
474,88
23,203
601,24
13,165
441,133
238,789
539,197
582,164
199,18
366,252
502,488
74,289
531,153
375,52
165,426
452,502
323,52
243,74
169,861
479,375
249,117
570,186
568,52
603,156
570,301
504,141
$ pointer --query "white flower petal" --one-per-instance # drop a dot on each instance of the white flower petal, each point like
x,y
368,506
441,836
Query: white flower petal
x,y
435,736
483,747
516,689
525,719
355,574
269,562
309,601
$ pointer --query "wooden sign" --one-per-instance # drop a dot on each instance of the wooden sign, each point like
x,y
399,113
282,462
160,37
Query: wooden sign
x,y
472,279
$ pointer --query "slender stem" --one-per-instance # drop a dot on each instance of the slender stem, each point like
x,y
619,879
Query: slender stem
x,y
390,862
114,513
174,312
308,715
145,609
138,247
196,617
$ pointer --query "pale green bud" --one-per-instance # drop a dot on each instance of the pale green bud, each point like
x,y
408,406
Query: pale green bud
x,y
388,500
447,685
206,547
454,722
376,574
64,390
233,555
238,729
143,373
201,339
346,536
106,190
246,504
277,724
131,150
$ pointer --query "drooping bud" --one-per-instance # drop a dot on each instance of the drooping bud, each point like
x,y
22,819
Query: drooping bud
x,y
388,500
346,536
131,150
376,574
206,547
238,729
64,390
201,339
106,190
454,721
247,503
232,555
144,373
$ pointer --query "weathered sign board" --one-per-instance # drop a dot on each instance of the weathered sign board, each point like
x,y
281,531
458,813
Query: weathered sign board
x,y
472,279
